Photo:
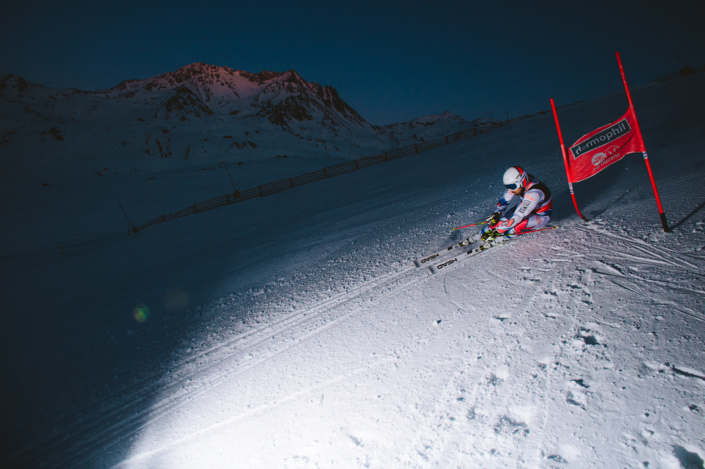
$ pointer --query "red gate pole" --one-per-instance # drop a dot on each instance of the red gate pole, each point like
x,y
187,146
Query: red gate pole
x,y
565,161
637,130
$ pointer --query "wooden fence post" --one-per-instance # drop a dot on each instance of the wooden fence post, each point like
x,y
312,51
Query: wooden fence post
x,y
416,147
128,220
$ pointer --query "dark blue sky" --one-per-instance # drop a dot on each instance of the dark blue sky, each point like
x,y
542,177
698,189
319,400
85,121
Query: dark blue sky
x,y
391,61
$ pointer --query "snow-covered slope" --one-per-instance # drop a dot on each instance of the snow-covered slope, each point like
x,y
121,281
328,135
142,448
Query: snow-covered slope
x,y
294,330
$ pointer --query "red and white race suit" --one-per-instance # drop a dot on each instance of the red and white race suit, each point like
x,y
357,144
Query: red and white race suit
x,y
532,213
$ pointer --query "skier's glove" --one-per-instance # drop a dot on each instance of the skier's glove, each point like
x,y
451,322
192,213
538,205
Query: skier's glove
x,y
489,235
493,219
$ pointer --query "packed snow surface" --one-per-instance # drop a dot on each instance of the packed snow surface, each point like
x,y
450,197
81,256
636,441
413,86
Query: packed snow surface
x,y
294,331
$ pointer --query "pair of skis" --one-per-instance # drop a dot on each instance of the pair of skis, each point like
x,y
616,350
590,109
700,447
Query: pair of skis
x,y
455,253
447,252
430,259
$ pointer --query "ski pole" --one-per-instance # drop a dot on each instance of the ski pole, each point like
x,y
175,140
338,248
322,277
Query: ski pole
x,y
468,226
534,231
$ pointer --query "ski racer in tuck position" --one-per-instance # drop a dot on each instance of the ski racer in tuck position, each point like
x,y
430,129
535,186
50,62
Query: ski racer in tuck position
x,y
532,213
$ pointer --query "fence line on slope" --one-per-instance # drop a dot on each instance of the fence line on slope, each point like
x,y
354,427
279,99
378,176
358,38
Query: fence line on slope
x,y
683,72
331,171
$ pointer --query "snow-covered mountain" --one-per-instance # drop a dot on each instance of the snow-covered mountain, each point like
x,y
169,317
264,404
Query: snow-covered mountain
x,y
199,112
190,113
426,128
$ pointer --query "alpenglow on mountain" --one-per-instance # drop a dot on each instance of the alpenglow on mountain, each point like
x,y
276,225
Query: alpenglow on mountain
x,y
200,111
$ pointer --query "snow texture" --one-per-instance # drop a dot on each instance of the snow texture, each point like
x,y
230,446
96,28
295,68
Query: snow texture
x,y
294,331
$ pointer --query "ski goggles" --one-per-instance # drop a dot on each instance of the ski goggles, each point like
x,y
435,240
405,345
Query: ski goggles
x,y
512,187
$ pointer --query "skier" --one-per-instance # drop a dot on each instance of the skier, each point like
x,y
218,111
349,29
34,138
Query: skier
x,y
532,213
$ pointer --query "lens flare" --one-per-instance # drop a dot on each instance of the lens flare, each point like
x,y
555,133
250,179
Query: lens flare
x,y
141,313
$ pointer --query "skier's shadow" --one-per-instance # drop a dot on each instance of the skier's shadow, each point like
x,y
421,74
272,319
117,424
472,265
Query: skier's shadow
x,y
698,208
591,192
610,204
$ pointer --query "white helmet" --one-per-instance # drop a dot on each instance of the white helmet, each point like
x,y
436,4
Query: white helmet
x,y
514,178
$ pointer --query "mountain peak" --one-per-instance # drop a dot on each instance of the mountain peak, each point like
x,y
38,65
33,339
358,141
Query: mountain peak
x,y
437,118
197,69
260,77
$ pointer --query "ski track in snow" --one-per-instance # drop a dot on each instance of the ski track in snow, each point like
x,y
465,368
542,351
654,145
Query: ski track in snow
x,y
256,346
475,414
486,401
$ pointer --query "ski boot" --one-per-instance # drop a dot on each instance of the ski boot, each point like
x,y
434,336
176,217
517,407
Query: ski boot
x,y
489,235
